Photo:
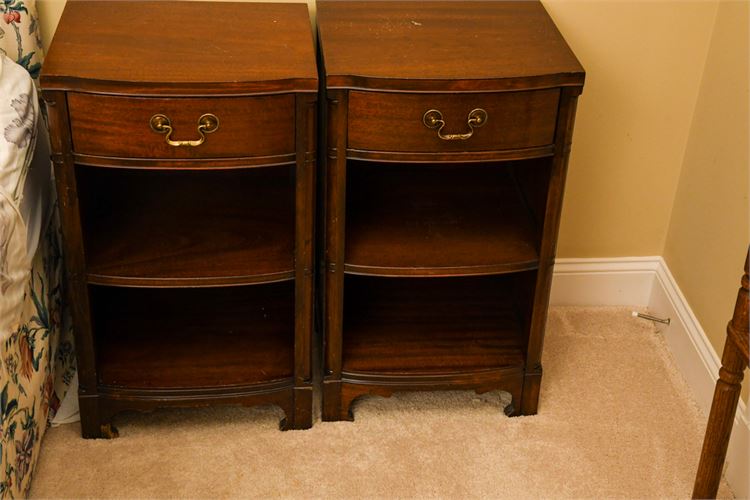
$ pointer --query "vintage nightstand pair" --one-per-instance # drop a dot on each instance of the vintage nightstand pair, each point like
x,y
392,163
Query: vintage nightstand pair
x,y
184,139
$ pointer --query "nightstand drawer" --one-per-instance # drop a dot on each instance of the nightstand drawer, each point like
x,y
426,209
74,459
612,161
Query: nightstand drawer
x,y
125,127
410,122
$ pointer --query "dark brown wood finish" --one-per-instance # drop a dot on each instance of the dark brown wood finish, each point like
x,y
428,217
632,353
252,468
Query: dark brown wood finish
x,y
119,126
382,121
335,222
184,163
260,348
429,327
169,228
734,361
550,228
77,297
454,157
443,46
304,257
168,48
243,219
419,214
420,220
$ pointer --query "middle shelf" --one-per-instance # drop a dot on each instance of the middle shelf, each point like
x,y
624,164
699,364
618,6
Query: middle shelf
x,y
439,220
162,228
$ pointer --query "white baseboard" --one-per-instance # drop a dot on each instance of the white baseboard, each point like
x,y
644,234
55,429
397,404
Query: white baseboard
x,y
603,282
647,282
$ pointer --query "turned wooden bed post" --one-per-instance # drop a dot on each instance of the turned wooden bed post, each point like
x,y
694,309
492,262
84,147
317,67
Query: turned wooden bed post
x,y
726,395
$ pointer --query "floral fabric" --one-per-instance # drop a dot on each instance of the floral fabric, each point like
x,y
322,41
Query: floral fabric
x,y
20,39
19,111
37,366
37,361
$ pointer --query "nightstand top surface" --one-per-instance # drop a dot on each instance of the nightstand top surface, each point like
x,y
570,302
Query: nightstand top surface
x,y
181,47
443,45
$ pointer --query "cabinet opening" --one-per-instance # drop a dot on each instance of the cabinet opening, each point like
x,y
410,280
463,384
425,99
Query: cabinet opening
x,y
201,337
444,220
191,228
423,326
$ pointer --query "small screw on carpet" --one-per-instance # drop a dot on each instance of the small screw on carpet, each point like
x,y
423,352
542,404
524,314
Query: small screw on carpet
x,y
637,314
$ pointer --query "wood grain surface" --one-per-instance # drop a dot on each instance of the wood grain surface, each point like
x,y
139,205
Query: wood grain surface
x,y
167,47
119,126
380,121
443,46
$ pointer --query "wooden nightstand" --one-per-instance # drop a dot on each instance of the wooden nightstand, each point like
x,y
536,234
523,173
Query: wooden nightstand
x,y
184,152
449,126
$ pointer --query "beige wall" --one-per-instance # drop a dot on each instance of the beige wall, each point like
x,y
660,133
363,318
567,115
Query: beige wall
x,y
49,13
659,166
643,64
709,231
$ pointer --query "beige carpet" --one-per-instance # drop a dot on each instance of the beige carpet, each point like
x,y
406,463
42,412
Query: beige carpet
x,y
615,420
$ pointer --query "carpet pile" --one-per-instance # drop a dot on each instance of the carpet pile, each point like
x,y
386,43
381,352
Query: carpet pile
x,y
615,420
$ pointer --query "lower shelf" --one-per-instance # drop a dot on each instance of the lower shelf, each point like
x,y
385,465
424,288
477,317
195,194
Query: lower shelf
x,y
431,326
193,338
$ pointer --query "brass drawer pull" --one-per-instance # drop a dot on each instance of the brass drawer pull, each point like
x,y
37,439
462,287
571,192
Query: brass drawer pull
x,y
206,124
434,119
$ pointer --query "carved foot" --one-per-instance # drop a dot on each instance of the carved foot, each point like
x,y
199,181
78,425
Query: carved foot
x,y
336,402
287,422
298,410
109,431
338,414
303,407
285,425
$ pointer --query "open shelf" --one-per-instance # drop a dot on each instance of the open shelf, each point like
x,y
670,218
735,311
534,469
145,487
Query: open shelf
x,y
417,326
428,220
187,228
192,338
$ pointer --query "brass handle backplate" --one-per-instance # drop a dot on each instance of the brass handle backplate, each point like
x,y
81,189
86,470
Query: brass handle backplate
x,y
434,119
207,123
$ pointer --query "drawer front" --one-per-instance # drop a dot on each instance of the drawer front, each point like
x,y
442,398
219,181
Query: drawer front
x,y
380,121
121,126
